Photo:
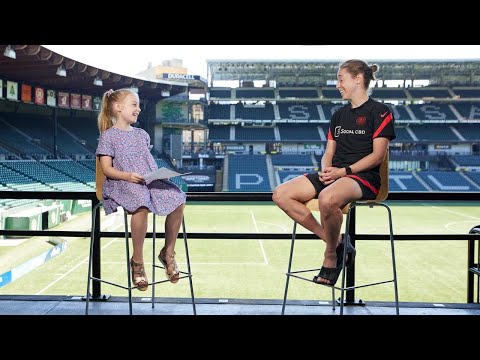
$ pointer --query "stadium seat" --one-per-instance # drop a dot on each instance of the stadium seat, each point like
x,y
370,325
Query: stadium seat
x,y
100,177
378,201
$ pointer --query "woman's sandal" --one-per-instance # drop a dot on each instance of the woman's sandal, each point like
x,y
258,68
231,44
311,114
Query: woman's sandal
x,y
351,251
331,274
139,277
171,270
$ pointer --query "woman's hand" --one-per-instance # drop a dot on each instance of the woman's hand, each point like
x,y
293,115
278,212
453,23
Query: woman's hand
x,y
330,174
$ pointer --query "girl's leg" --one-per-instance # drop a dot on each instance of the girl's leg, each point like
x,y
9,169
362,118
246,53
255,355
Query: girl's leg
x,y
167,254
172,227
139,230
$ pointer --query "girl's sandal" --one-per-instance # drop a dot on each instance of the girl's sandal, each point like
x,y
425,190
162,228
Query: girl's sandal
x,y
171,268
139,277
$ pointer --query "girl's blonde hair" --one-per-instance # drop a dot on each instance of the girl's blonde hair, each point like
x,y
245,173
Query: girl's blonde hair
x,y
107,116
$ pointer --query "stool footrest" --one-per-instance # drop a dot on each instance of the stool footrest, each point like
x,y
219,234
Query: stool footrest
x,y
166,280
111,283
371,284
302,271
474,270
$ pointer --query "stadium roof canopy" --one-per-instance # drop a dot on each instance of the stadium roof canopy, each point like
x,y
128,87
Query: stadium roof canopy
x,y
439,72
36,65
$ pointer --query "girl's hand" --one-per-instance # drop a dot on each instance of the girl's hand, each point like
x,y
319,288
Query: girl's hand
x,y
133,177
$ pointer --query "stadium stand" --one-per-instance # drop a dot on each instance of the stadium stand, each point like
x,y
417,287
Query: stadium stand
x,y
433,129
248,173
437,127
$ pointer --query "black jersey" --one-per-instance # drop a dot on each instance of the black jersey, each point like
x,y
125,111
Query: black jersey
x,y
354,130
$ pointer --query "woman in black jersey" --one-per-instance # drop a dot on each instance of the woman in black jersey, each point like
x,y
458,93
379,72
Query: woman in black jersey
x,y
358,139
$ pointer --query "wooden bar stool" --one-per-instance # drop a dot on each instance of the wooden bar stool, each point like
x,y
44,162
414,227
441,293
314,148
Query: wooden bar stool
x,y
100,178
378,201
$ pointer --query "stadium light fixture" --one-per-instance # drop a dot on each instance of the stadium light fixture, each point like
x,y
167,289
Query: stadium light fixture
x,y
97,81
61,71
9,52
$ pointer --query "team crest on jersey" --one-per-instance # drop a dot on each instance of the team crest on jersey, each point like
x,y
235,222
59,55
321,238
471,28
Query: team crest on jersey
x,y
361,120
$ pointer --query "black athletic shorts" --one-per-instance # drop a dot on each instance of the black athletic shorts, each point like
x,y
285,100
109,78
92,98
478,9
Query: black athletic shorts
x,y
369,183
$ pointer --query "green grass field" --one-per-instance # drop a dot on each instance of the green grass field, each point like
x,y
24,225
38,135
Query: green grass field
x,y
428,271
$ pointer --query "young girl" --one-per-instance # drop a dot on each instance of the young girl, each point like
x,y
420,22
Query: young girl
x,y
358,138
124,155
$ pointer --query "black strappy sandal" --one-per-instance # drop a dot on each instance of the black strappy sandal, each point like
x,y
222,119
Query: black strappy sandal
x,y
330,274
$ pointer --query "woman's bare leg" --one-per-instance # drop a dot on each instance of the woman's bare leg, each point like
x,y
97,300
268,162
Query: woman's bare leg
x,y
291,196
331,200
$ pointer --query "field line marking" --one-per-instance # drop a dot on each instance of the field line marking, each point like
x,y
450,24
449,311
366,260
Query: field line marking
x,y
259,240
72,269
68,272
454,212
453,223
283,228
196,263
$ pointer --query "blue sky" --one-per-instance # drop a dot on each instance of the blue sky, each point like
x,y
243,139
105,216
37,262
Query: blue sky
x,y
131,59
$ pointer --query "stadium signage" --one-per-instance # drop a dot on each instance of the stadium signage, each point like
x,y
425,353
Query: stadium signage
x,y
235,147
181,76
75,101
63,99
26,94
442,146
39,95
12,90
51,98
97,103
197,179
86,102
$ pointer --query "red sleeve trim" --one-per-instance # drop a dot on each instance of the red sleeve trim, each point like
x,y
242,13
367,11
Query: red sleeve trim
x,y
330,137
382,125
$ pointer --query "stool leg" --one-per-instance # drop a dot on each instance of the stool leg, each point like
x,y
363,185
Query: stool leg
x,y
333,298
342,290
90,256
294,233
154,236
478,267
188,265
393,259
128,262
